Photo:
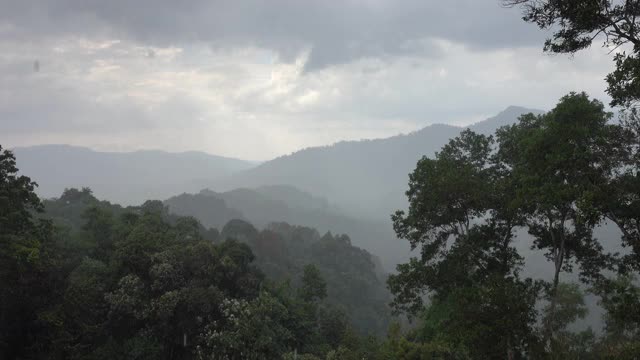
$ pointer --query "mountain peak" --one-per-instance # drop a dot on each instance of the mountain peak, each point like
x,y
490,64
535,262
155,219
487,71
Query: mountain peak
x,y
513,108
507,116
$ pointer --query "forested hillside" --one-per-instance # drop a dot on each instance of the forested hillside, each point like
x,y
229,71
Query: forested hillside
x,y
350,187
365,179
282,251
264,205
89,279
385,220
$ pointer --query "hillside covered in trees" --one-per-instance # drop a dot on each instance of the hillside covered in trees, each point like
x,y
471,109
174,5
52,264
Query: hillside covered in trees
x,y
265,205
523,230
169,282
349,187
89,279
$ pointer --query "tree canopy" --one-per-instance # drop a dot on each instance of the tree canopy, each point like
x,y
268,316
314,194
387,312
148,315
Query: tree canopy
x,y
555,176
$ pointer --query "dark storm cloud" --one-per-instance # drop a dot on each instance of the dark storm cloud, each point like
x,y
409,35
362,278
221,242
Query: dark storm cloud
x,y
335,31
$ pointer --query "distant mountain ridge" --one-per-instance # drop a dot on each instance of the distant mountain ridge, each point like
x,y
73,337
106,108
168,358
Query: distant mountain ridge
x,y
350,187
365,178
364,181
507,116
128,178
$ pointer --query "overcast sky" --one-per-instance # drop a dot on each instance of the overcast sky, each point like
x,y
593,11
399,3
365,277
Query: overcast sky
x,y
255,79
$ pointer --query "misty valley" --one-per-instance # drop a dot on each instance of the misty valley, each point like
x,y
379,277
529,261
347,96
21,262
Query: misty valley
x,y
278,272
319,180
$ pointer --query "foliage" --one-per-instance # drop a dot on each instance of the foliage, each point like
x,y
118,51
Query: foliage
x,y
86,279
468,264
100,282
27,253
558,175
313,285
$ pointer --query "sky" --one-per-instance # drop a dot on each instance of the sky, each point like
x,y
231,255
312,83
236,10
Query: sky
x,y
256,79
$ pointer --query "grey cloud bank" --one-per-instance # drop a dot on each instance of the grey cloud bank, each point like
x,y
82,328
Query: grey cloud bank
x,y
258,79
336,31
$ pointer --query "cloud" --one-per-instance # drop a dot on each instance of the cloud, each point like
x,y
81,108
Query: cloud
x,y
335,32
258,79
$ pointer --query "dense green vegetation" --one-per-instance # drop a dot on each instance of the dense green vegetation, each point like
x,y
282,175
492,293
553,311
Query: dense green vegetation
x,y
355,278
84,278
267,204
87,279
556,175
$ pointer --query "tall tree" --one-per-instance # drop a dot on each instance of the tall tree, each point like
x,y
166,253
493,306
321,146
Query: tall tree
x,y
620,298
463,224
575,26
313,287
25,257
619,200
559,160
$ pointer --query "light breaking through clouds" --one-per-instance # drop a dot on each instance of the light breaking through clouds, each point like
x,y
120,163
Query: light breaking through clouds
x,y
257,79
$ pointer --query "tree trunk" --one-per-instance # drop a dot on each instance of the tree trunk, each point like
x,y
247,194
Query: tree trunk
x,y
554,294
510,354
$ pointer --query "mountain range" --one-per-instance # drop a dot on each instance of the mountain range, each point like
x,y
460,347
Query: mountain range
x,y
364,178
350,187
127,178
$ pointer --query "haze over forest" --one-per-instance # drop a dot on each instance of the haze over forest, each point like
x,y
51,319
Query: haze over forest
x,y
319,180
350,187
